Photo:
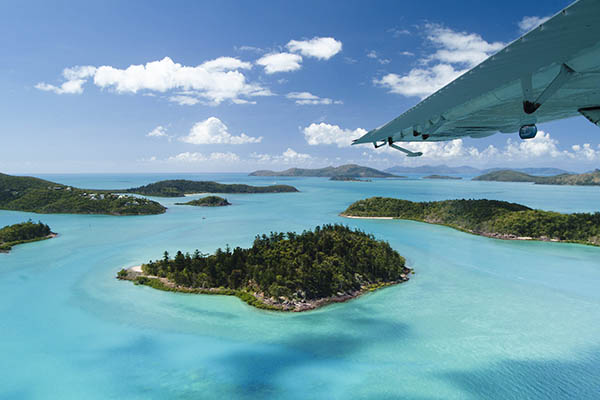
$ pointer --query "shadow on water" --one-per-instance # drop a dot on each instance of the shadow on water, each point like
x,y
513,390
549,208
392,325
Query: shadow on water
x,y
519,379
257,372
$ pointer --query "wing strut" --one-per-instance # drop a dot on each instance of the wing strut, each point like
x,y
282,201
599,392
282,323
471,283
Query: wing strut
x,y
408,153
390,142
529,106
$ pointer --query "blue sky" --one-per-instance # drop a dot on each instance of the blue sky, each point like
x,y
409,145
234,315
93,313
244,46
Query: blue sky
x,y
236,86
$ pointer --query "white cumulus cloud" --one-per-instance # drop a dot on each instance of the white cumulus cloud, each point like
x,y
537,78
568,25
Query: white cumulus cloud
x,y
323,133
319,47
289,156
159,131
307,98
456,53
214,131
75,78
194,157
538,151
459,47
280,62
420,82
213,81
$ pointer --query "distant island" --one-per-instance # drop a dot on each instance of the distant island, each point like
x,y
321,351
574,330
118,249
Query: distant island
x,y
349,170
181,187
466,170
348,179
22,193
442,177
282,271
25,232
492,218
586,179
208,201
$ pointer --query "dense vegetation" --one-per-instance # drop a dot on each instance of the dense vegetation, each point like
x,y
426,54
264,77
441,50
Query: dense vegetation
x,y
587,179
208,201
348,170
37,195
331,260
24,232
348,179
180,187
487,217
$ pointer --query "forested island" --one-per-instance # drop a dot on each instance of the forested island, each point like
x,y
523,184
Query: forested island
x,y
23,193
466,170
282,271
208,201
492,218
25,232
442,177
348,170
181,187
348,179
586,179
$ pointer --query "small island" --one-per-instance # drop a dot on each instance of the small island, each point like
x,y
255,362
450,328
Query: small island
x,y
586,179
23,193
348,179
352,170
25,232
181,187
491,218
208,201
442,177
282,271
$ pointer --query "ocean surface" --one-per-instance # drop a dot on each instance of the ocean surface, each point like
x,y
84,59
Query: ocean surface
x,y
481,318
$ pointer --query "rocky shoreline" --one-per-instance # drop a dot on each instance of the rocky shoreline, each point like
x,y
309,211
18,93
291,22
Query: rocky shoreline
x,y
271,303
4,249
493,235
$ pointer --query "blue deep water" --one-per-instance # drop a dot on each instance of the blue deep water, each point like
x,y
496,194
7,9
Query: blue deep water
x,y
481,318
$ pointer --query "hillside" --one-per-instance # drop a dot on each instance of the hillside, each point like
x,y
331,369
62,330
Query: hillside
x,y
466,170
181,187
506,175
349,170
491,218
20,193
585,179
282,271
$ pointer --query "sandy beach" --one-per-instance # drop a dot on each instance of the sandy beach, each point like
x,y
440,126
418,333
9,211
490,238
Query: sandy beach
x,y
352,216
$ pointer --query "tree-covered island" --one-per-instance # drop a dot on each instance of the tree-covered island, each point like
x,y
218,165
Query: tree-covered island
x,y
492,218
282,271
208,201
25,232
23,193
585,179
181,187
344,178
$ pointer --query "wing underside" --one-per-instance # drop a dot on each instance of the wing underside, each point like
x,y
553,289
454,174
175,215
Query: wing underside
x,y
552,72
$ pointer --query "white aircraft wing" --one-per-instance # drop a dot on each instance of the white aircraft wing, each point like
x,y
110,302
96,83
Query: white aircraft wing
x,y
550,73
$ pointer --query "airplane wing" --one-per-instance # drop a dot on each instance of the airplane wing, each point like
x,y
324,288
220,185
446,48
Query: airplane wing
x,y
550,73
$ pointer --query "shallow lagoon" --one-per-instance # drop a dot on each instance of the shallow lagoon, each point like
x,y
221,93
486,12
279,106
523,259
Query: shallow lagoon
x,y
481,318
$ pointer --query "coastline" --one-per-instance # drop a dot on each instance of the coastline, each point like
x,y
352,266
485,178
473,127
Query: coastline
x,y
255,299
356,217
6,247
491,235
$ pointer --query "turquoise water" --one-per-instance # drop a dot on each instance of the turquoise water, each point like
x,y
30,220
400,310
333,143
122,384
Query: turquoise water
x,y
481,318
